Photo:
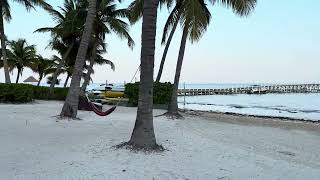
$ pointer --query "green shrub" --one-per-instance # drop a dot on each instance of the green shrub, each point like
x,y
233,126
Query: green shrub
x,y
23,93
16,93
42,93
161,93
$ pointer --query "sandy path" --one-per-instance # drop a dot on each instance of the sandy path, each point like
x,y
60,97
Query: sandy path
x,y
35,146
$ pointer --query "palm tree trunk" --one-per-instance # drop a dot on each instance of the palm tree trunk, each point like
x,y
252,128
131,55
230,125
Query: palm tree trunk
x,y
61,63
3,47
70,107
164,55
18,75
66,82
40,78
90,68
143,133
173,105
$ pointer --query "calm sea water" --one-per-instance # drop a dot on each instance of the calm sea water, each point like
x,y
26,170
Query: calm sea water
x,y
299,106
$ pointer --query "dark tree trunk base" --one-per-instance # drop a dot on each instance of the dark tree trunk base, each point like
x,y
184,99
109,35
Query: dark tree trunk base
x,y
59,117
68,111
136,148
173,115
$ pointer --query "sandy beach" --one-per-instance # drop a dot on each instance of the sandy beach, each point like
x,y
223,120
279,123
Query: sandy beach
x,y
37,145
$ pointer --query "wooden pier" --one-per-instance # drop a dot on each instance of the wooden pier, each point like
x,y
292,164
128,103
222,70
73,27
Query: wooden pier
x,y
296,88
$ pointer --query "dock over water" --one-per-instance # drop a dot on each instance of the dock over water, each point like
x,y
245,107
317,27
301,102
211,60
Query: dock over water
x,y
255,89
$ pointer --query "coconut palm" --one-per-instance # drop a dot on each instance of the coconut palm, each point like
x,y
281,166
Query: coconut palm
x,y
143,136
195,17
108,20
136,8
20,55
241,7
42,66
66,33
70,107
6,14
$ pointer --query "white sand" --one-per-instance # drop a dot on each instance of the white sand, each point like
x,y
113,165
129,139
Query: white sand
x,y
35,146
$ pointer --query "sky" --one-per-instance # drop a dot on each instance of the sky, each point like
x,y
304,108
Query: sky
x,y
278,43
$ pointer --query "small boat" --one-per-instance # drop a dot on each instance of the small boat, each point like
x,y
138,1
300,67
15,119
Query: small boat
x,y
110,90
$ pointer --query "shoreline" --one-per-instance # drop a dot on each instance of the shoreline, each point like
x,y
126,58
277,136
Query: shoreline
x,y
255,120
255,116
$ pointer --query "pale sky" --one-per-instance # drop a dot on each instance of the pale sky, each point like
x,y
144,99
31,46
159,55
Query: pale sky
x,y
278,43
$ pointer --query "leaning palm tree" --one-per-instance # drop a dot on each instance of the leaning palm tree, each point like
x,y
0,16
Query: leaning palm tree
x,y
240,7
108,20
70,107
66,33
20,55
195,17
6,14
42,66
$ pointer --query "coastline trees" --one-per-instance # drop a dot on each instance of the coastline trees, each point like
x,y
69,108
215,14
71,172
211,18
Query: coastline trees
x,y
66,34
20,55
6,14
195,17
42,66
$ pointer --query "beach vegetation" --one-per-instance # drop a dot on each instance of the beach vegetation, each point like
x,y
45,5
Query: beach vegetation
x,y
5,12
161,94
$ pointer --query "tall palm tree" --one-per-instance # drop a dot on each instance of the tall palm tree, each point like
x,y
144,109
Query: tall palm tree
x,y
239,7
171,17
20,55
195,17
70,107
108,20
66,33
136,8
143,135
42,66
6,14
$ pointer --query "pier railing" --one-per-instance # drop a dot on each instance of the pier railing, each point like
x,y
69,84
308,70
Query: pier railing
x,y
297,88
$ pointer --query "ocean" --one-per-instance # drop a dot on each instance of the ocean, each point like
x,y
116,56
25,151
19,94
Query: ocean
x,y
297,106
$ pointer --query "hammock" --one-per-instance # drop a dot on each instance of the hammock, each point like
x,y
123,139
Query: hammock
x,y
97,111
101,113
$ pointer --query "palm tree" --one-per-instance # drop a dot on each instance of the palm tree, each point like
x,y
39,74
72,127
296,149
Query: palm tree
x,y
65,69
70,107
95,58
6,14
66,33
108,20
136,8
42,66
239,7
20,55
50,80
143,136
195,18
171,17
